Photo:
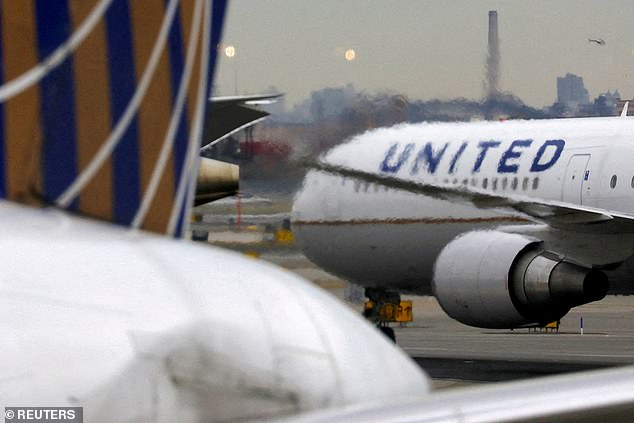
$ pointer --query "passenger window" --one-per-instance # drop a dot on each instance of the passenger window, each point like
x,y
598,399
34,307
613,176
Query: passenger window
x,y
613,182
485,183
632,183
525,184
505,183
495,184
535,183
514,183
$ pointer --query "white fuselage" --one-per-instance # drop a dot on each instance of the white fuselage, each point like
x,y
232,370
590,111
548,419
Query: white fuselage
x,y
137,327
376,236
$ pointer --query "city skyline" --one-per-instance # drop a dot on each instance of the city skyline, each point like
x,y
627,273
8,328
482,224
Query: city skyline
x,y
425,50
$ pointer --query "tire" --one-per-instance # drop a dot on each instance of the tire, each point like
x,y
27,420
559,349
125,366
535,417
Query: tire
x,y
389,332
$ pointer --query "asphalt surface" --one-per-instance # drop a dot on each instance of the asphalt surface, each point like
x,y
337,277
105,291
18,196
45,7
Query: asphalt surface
x,y
454,354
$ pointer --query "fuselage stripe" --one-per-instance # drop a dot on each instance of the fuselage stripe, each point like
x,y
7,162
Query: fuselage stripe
x,y
409,221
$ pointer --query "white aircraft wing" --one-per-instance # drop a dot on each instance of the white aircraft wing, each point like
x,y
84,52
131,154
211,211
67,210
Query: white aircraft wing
x,y
554,213
603,395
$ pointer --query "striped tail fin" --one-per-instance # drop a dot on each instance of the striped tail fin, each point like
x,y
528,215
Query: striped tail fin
x,y
102,104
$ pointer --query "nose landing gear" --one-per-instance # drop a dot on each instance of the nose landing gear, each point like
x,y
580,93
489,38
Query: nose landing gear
x,y
382,308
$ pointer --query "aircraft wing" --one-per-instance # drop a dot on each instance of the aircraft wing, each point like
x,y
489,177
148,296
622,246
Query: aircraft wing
x,y
603,395
554,213
232,114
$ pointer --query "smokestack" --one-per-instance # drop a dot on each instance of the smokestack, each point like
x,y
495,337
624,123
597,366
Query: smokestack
x,y
493,57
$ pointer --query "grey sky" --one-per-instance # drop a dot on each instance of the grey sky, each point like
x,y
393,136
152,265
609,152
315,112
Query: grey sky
x,y
426,49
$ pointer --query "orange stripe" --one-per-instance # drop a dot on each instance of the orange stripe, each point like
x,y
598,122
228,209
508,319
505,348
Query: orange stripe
x,y
411,221
22,113
93,112
155,111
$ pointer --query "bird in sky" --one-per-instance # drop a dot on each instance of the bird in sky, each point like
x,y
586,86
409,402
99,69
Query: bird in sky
x,y
599,41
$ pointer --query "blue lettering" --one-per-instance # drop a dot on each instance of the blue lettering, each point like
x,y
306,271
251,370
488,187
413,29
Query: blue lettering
x,y
427,153
484,147
540,167
511,153
386,166
454,159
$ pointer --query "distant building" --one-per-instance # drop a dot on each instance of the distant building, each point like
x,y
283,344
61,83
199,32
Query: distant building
x,y
611,98
571,93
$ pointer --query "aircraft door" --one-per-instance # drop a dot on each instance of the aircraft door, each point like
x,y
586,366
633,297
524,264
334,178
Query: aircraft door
x,y
575,178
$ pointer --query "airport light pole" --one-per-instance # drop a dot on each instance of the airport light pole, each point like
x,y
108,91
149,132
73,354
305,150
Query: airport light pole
x,y
230,52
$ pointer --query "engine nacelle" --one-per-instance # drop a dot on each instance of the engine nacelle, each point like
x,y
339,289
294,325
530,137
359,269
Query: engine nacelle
x,y
494,279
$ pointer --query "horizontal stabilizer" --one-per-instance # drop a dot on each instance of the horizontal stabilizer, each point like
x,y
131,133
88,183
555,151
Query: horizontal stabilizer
x,y
232,114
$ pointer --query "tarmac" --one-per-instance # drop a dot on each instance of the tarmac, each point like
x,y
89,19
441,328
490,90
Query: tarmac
x,y
454,354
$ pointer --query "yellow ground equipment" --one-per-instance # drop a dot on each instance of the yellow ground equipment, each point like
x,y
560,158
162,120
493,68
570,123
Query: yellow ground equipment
x,y
284,236
389,312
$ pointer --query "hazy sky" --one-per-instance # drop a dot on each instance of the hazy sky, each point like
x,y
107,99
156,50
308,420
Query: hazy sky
x,y
426,49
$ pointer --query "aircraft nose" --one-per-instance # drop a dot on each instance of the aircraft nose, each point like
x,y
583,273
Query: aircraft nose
x,y
291,347
314,202
364,365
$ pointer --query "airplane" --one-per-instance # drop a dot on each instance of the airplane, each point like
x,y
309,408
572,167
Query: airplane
x,y
101,112
598,41
508,224
226,116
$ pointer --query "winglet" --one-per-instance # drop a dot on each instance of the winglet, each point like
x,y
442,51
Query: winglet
x,y
624,111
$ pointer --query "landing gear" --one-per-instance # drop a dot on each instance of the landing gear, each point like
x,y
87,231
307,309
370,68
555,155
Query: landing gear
x,y
389,332
381,309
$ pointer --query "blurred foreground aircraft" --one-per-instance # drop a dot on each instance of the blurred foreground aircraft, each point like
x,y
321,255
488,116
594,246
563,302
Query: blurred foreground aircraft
x,y
102,105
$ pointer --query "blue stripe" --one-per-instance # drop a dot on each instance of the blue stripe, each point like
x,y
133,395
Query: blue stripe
x,y
177,64
59,151
122,79
219,8
3,135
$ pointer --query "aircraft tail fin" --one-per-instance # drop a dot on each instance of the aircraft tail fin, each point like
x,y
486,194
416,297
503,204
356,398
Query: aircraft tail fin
x,y
625,107
102,104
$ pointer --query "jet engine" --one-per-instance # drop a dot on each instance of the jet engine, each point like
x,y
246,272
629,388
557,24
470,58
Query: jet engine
x,y
493,279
